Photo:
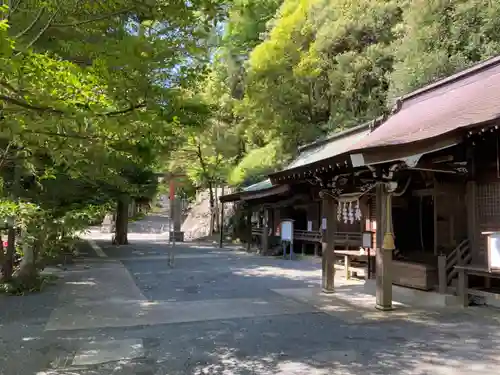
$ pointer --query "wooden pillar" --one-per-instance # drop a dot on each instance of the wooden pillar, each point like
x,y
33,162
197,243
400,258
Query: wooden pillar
x,y
471,208
249,230
328,227
463,284
221,234
265,231
442,276
385,247
221,227
347,266
176,216
435,195
472,228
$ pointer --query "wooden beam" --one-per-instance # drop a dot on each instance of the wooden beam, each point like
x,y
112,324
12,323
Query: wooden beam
x,y
422,192
385,154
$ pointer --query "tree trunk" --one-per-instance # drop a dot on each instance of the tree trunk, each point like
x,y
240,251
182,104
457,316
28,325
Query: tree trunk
x,y
212,206
27,269
8,264
121,224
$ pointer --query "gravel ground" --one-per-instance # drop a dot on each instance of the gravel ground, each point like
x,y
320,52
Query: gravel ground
x,y
197,325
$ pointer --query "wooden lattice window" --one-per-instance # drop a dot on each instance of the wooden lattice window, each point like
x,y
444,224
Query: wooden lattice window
x,y
488,201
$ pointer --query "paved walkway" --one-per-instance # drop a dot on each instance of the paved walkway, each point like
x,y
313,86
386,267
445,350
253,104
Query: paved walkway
x,y
125,311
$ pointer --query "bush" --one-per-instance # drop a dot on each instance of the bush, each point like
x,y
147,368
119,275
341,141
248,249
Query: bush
x,y
18,287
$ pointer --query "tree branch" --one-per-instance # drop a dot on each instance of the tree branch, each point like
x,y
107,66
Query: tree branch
x,y
63,135
124,111
5,153
31,25
38,108
49,22
96,19
33,107
200,159
8,86
13,9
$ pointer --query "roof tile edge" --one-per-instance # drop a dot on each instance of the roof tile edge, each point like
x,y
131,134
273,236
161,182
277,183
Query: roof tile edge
x,y
344,133
473,69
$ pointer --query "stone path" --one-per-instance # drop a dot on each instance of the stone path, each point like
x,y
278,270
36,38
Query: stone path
x,y
227,312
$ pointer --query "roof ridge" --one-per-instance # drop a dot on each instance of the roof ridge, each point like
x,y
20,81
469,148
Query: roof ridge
x,y
473,69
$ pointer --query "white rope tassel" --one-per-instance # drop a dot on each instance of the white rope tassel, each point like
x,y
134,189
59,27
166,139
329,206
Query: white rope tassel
x,y
339,212
358,211
344,212
351,213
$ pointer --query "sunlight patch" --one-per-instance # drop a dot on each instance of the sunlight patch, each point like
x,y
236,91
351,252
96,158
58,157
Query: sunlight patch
x,y
97,352
91,283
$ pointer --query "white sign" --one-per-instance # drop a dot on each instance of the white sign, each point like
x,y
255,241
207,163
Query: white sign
x,y
323,223
287,230
309,226
494,251
367,239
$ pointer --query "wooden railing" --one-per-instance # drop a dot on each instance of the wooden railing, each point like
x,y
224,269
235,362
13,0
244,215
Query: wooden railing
x,y
310,236
257,231
348,238
461,255
341,238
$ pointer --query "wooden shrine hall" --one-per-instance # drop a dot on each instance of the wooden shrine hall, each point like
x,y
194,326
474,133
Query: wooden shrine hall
x,y
268,204
424,179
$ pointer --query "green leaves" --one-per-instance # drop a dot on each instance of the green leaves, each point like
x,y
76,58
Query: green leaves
x,y
441,37
256,164
92,95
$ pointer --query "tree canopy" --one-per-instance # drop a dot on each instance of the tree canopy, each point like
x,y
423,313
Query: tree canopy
x,y
97,98
287,72
91,95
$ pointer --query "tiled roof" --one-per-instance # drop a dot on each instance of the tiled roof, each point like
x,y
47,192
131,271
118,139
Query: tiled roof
x,y
266,184
336,144
468,98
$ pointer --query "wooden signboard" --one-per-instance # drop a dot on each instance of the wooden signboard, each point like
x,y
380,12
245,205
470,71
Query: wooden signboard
x,y
367,240
287,230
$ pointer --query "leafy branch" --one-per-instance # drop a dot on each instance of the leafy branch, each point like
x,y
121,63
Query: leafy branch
x,y
39,35
48,109
96,19
32,24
